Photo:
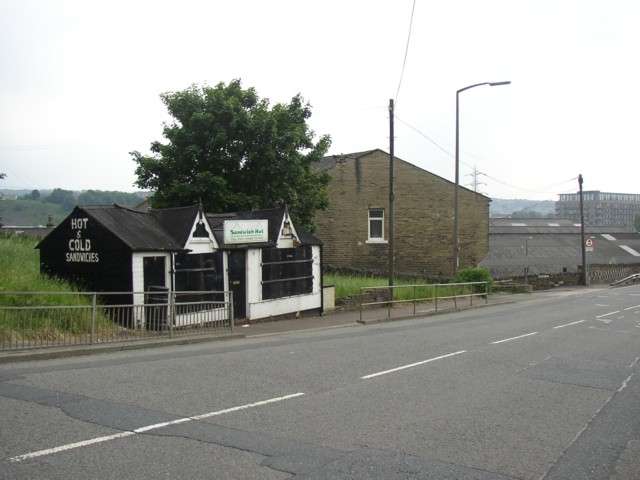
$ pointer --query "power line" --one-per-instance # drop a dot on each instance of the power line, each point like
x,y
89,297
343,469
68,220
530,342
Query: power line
x,y
537,190
406,51
425,136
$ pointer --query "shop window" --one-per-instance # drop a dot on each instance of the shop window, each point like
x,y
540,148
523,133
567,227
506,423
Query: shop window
x,y
198,273
286,272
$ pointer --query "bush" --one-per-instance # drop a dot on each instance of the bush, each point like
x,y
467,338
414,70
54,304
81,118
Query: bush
x,y
478,274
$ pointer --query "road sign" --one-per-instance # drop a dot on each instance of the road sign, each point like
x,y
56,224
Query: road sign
x,y
589,244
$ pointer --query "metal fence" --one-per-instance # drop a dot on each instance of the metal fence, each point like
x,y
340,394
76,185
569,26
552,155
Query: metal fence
x,y
46,319
419,296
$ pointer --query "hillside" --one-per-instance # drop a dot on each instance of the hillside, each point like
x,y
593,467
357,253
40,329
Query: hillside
x,y
524,208
29,211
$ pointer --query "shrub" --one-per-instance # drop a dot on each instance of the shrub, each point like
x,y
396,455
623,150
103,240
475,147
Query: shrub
x,y
478,274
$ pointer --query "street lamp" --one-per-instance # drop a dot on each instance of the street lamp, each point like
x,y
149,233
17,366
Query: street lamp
x,y
526,256
456,219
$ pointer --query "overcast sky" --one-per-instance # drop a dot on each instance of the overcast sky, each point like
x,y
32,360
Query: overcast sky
x,y
80,83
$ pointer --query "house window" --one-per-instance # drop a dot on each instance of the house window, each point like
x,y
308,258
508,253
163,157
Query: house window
x,y
376,225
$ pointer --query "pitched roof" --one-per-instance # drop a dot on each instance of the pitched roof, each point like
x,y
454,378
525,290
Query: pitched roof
x,y
329,162
142,231
169,229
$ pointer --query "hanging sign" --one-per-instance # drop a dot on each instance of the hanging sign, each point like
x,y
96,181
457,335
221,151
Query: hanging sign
x,y
246,231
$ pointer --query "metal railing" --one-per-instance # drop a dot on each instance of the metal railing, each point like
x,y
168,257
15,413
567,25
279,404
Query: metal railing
x,y
47,319
631,279
425,294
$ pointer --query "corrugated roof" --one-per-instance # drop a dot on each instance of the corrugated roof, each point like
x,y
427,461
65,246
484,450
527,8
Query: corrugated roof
x,y
545,252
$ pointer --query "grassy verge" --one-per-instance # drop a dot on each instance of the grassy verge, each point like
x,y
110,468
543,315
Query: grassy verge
x,y
351,286
63,312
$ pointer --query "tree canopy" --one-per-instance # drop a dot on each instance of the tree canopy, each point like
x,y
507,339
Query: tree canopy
x,y
232,151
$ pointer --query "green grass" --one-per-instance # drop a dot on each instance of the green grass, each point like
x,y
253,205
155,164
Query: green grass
x,y
20,267
20,277
349,286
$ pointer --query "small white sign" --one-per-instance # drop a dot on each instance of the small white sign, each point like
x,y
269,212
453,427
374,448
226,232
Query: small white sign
x,y
246,231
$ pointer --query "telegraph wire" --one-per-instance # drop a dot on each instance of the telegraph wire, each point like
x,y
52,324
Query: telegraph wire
x,y
406,51
481,173
425,136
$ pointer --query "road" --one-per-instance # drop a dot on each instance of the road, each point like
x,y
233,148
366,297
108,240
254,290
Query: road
x,y
547,388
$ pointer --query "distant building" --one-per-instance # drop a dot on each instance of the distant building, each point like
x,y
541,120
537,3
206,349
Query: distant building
x,y
540,247
601,209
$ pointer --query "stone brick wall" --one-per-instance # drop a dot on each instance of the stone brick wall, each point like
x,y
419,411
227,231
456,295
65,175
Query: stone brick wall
x,y
423,211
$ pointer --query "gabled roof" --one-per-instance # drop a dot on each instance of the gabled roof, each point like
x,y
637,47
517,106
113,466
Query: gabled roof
x,y
275,218
179,221
169,229
329,162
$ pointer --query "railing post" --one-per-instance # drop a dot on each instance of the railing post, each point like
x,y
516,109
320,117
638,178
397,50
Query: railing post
x,y
92,327
232,322
414,299
172,312
390,297
361,296
455,296
436,292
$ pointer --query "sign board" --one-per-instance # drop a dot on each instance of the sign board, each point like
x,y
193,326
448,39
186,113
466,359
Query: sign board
x,y
588,243
246,231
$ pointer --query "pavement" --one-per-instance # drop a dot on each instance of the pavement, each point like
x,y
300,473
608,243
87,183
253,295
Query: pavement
x,y
337,318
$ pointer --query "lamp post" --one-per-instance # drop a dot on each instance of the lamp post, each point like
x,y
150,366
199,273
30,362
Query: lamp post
x,y
526,256
456,219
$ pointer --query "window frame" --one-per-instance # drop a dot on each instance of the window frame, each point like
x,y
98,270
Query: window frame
x,y
370,220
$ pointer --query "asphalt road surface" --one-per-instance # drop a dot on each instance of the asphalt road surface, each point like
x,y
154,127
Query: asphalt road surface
x,y
547,388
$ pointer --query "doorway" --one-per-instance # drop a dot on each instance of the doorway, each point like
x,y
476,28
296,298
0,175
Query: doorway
x,y
237,282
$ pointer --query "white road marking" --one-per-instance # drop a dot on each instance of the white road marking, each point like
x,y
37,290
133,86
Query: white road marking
x,y
93,441
404,367
514,338
69,446
568,324
631,308
607,314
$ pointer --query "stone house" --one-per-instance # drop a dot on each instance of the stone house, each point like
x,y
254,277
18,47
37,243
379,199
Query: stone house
x,y
355,228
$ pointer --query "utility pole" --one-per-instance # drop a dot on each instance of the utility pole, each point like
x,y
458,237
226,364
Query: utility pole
x,y
585,275
391,194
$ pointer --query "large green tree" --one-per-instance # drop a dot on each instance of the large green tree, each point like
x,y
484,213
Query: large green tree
x,y
233,151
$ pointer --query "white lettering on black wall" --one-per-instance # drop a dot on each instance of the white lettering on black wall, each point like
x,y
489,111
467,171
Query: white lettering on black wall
x,y
79,247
